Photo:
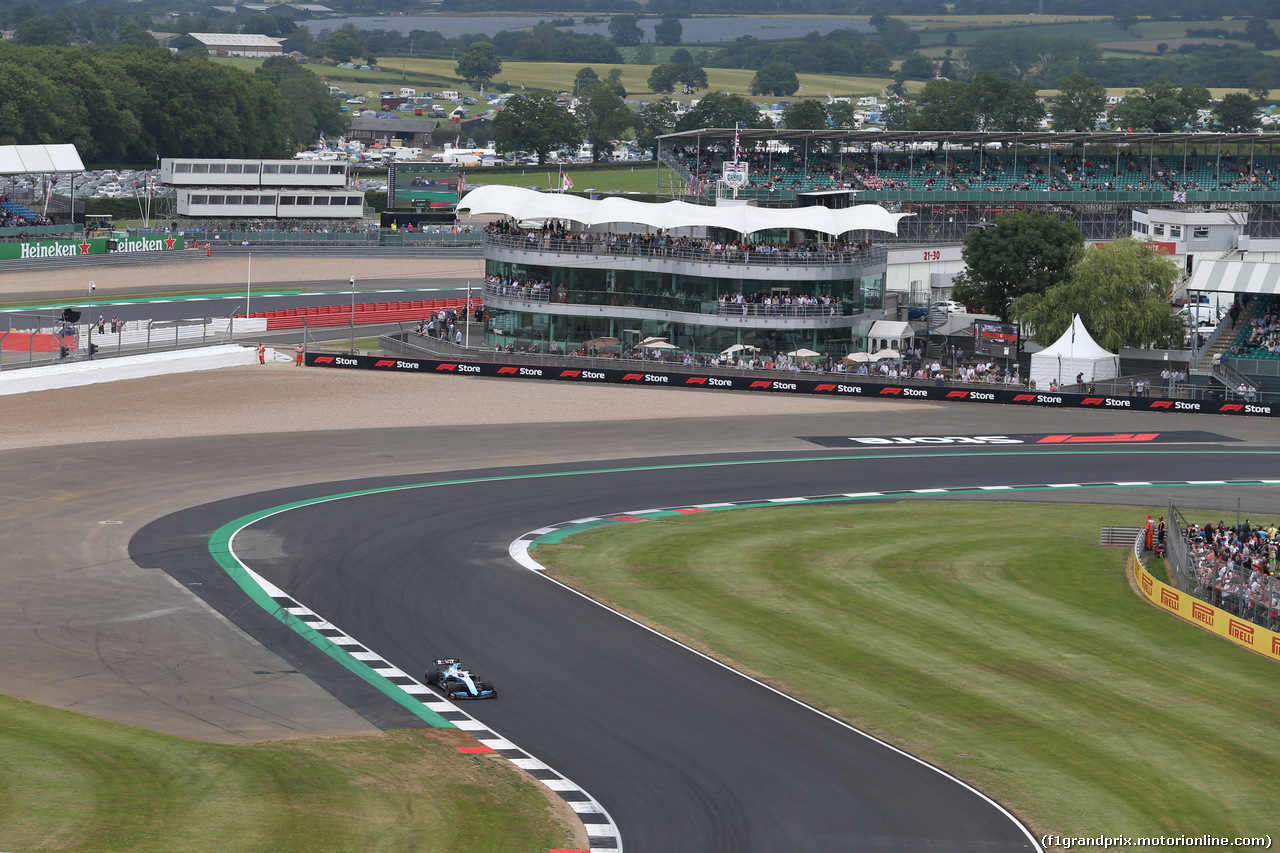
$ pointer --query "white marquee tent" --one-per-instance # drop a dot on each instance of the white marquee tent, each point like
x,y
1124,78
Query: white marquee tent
x,y
525,205
1076,352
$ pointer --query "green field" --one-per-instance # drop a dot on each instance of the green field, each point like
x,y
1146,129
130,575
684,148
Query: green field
x,y
639,178
997,641
73,783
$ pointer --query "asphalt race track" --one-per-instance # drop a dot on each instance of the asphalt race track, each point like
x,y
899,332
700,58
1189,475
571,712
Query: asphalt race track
x,y
684,754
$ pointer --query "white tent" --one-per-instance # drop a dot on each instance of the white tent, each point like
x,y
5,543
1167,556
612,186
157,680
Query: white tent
x,y
890,334
1073,354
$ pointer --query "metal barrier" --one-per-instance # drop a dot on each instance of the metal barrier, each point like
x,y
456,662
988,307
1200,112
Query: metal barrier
x,y
135,337
1122,537
666,303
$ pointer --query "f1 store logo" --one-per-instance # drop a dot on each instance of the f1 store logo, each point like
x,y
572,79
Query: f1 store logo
x,y
502,371
890,390
633,377
386,362
696,380
323,359
761,383
1231,407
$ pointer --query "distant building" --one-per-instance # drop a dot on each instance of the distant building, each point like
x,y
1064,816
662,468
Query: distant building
x,y
230,44
413,133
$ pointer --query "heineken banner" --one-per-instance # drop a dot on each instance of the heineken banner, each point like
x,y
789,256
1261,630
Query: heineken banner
x,y
89,246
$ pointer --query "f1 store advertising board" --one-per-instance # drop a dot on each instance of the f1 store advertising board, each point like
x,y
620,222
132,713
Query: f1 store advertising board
x,y
843,386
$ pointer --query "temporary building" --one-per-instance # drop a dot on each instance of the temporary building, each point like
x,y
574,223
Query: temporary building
x,y
1073,354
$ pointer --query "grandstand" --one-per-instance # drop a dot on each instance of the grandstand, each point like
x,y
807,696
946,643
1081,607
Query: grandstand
x,y
953,181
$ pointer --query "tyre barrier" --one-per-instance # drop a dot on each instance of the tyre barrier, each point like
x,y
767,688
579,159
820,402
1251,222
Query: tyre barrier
x,y
832,387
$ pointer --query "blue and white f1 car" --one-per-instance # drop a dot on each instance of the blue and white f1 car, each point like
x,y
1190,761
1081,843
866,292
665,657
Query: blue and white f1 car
x,y
458,683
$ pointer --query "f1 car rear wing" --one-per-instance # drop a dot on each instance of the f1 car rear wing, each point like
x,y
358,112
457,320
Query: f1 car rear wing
x,y
447,662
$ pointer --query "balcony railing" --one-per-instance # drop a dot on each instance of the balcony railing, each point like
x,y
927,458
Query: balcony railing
x,y
693,305
607,246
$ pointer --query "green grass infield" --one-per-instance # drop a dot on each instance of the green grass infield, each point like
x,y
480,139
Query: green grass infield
x,y
996,640
74,783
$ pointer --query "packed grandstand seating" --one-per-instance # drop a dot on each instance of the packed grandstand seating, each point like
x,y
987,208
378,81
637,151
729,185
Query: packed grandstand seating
x,y
557,236
16,215
1236,569
934,171
1260,336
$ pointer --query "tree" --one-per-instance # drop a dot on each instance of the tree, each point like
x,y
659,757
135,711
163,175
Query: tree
x,y
1017,253
900,114
644,54
655,119
49,32
1195,98
1259,31
945,105
719,109
479,64
585,77
680,56
625,30
1260,84
840,115
311,110
896,35
1235,113
665,78
775,78
603,116
1079,103
536,123
1121,292
917,66
805,115
1002,104
1156,106
668,31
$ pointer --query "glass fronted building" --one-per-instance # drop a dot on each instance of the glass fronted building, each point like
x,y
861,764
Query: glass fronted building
x,y
565,270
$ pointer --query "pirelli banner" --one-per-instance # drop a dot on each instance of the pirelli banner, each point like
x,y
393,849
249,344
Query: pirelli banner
x,y
1239,631
848,386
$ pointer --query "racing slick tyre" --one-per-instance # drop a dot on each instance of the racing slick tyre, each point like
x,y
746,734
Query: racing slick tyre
x,y
433,676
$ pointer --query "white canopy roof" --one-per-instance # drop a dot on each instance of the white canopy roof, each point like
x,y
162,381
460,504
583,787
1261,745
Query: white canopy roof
x,y
524,204
39,159
1236,277
1074,354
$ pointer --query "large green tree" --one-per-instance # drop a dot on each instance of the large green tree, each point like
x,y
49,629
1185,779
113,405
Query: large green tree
x,y
1156,106
720,109
775,78
805,115
311,110
655,119
668,31
1236,113
1004,105
603,116
1121,292
1080,102
536,123
1016,254
49,32
479,64
945,105
625,30
666,77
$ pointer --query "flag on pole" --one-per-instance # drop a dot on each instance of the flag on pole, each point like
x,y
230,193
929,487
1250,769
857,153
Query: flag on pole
x,y
1180,197
737,143
462,182
566,182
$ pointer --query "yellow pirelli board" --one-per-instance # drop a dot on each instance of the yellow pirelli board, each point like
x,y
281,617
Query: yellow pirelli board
x,y
1239,631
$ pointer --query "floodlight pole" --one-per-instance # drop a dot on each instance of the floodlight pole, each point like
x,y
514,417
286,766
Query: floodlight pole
x,y
92,288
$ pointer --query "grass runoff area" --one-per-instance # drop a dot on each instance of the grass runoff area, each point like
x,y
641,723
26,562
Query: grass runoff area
x,y
74,783
995,640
